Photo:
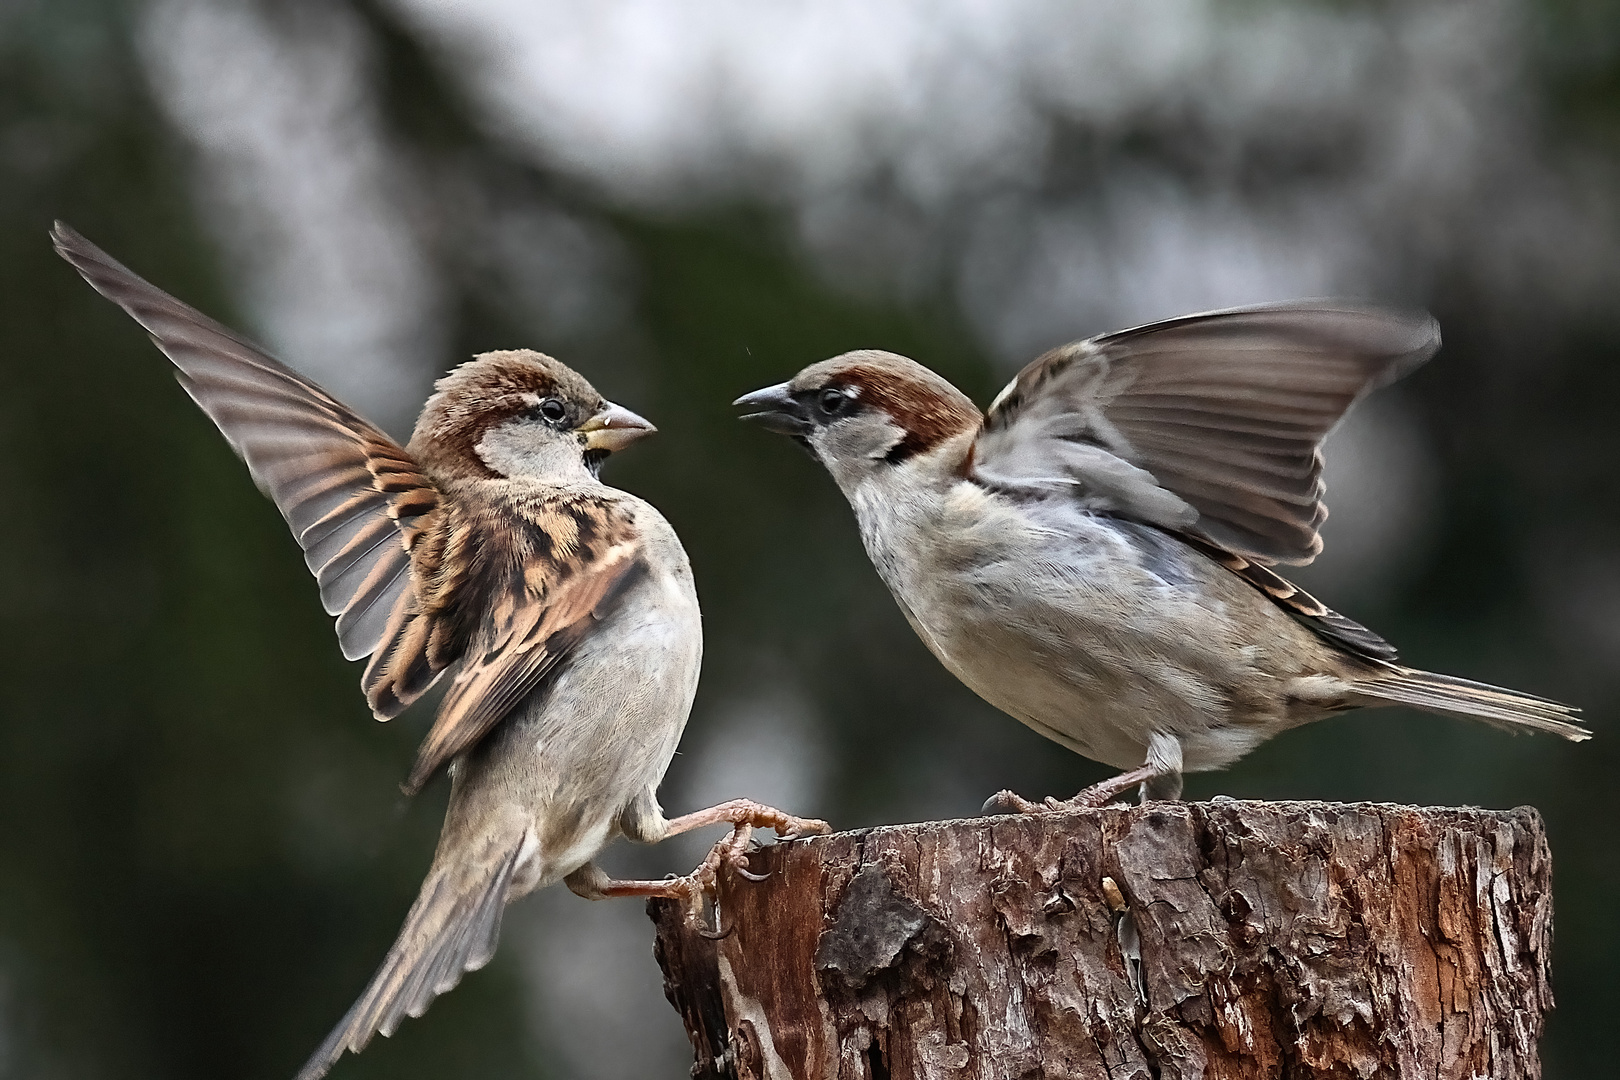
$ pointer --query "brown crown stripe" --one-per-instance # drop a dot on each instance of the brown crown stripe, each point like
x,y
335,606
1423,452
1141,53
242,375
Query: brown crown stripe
x,y
926,407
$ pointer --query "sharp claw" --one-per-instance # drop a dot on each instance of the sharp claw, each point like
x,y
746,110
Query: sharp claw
x,y
715,935
1008,802
804,827
700,885
737,859
698,897
799,828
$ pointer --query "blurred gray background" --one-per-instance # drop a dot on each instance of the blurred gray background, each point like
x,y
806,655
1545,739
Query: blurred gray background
x,y
204,849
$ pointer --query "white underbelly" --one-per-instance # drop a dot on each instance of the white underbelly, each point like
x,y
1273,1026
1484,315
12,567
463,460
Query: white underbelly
x,y
597,735
1106,702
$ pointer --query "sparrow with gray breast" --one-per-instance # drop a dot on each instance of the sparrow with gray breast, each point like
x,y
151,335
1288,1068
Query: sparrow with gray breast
x,y
1093,555
488,545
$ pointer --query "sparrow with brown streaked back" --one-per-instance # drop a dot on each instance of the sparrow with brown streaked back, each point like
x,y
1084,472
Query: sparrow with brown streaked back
x,y
1092,556
490,543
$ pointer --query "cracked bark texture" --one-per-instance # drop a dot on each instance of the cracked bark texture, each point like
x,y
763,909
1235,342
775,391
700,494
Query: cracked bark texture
x,y
1224,939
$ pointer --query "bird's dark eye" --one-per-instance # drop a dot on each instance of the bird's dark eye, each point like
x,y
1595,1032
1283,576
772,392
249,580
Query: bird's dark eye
x,y
834,400
553,410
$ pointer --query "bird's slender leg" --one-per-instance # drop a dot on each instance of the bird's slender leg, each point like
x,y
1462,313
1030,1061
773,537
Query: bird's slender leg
x,y
1166,787
1159,777
1101,794
694,889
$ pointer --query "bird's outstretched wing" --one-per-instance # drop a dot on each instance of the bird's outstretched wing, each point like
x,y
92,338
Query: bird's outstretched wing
x,y
1209,424
507,583
354,498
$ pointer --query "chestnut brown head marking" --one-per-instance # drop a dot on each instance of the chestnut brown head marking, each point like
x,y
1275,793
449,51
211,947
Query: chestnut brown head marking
x,y
488,390
921,403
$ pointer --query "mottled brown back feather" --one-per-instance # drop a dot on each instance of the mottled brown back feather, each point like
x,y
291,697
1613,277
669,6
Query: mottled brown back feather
x,y
510,583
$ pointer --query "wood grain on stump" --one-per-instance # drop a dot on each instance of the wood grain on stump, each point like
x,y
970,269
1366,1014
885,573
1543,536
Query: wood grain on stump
x,y
1176,940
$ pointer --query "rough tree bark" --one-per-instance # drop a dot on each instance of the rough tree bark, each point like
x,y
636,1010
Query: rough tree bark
x,y
1221,940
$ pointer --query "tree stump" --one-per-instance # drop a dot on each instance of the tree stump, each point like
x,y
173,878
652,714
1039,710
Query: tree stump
x,y
1174,940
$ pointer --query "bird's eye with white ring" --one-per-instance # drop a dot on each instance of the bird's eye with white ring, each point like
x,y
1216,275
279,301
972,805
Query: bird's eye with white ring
x,y
553,411
835,400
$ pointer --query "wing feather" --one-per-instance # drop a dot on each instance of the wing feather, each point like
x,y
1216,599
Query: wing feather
x,y
368,538
408,589
360,626
350,494
400,670
1301,604
1224,411
328,534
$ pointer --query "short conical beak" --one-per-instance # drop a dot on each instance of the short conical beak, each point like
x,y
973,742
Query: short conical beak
x,y
776,409
614,428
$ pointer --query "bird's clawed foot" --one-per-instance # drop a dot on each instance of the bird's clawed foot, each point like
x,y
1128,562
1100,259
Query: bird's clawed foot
x,y
740,812
1101,794
699,889
1157,784
732,851
1009,802
744,815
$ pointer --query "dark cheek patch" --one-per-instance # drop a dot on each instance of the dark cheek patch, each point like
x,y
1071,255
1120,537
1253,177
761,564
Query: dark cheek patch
x,y
459,445
908,447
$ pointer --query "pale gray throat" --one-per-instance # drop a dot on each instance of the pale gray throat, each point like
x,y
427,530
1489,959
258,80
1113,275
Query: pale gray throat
x,y
853,448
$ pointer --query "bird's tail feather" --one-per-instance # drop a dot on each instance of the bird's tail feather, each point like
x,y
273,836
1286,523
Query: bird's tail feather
x,y
452,928
1475,700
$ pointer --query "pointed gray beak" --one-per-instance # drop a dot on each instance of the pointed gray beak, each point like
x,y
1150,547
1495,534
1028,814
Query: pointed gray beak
x,y
614,428
776,409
